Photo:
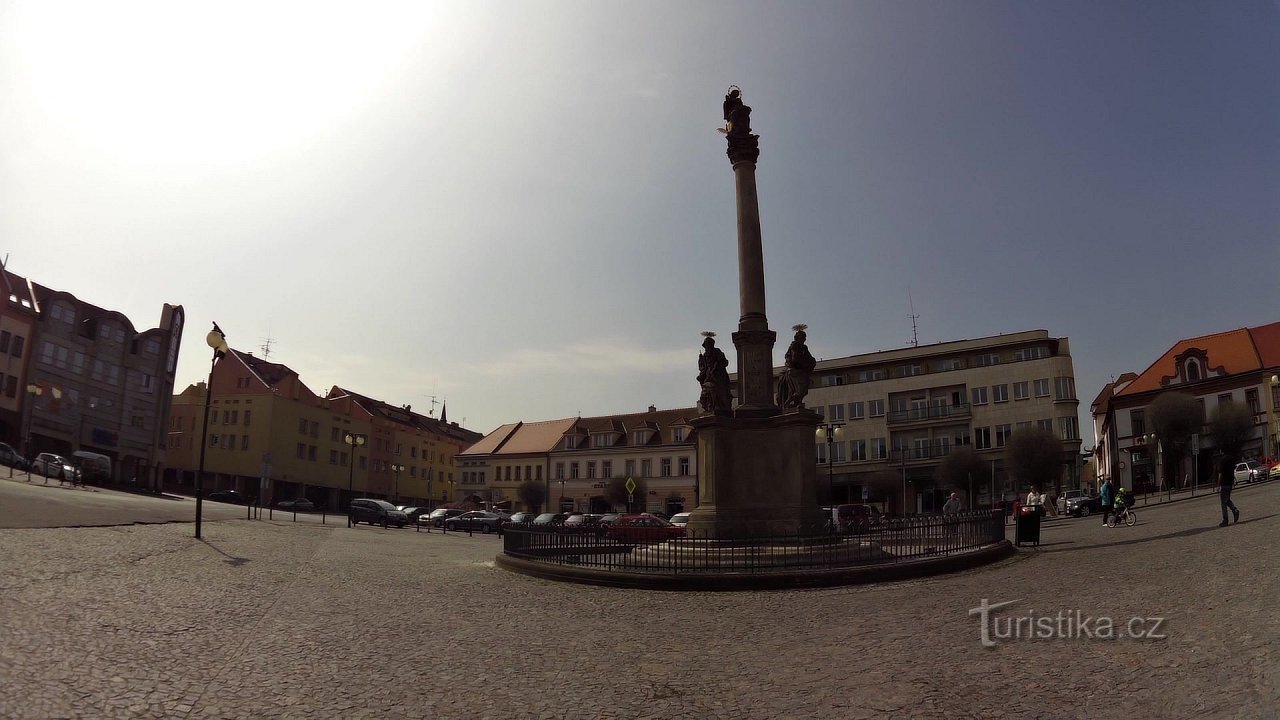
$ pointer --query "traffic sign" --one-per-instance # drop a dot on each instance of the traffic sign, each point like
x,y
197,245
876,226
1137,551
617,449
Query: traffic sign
x,y
630,486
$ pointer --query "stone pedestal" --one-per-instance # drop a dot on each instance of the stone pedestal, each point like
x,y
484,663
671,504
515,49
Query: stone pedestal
x,y
757,476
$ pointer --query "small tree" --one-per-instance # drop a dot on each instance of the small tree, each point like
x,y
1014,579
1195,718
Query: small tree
x,y
963,469
1035,457
1231,429
616,491
1175,417
532,494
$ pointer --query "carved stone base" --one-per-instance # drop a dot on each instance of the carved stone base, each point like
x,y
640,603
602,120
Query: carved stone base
x,y
757,476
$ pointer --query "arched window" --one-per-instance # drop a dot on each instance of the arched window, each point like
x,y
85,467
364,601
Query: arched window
x,y
1193,370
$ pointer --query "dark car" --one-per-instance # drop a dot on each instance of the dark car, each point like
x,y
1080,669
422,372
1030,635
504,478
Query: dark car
x,y
522,517
1083,505
485,522
439,515
228,496
416,512
297,505
643,528
549,521
609,518
10,457
377,512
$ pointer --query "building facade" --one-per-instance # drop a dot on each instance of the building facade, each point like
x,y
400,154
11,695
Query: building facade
x,y
95,383
897,414
18,318
1236,366
270,437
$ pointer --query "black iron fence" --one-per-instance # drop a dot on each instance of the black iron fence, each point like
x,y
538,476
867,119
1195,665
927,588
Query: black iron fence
x,y
654,550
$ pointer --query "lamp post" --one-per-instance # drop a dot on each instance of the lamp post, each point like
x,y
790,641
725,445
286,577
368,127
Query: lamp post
x,y
560,502
33,391
1152,440
397,469
218,343
831,432
355,440
1275,408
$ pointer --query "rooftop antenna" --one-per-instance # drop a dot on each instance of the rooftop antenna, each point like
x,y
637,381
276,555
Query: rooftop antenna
x,y
915,338
267,342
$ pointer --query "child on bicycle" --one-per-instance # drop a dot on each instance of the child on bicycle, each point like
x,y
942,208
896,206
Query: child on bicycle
x,y
1124,499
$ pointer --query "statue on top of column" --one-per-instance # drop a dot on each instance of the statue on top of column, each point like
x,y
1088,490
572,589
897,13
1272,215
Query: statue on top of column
x,y
737,117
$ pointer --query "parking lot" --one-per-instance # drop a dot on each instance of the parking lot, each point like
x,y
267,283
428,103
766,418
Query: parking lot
x,y
272,618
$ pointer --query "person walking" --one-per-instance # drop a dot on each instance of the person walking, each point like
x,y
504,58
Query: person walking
x,y
1227,480
1105,498
950,509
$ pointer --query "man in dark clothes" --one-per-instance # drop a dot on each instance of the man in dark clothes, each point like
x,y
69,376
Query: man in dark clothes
x,y
1226,480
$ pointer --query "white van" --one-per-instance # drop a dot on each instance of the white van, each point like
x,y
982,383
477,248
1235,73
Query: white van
x,y
91,467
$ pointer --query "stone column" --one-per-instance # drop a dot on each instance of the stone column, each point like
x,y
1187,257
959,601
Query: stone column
x,y
754,339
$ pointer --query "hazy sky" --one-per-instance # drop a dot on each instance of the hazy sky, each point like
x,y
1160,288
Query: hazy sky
x,y
524,207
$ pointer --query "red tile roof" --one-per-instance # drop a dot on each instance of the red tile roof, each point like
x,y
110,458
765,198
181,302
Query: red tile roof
x,y
1232,352
1266,338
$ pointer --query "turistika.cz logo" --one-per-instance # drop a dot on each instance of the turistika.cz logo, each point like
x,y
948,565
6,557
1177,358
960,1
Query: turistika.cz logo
x,y
1063,625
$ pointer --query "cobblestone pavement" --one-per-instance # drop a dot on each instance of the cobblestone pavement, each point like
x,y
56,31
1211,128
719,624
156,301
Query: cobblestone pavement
x,y
270,619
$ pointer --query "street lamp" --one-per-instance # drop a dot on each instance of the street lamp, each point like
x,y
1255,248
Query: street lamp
x,y
560,502
218,343
1152,439
397,469
831,432
355,440
1275,407
33,391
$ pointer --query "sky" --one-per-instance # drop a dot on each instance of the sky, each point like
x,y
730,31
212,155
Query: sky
x,y
524,210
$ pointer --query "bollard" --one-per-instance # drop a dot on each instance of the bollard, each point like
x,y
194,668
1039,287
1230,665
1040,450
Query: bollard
x,y
295,513
322,516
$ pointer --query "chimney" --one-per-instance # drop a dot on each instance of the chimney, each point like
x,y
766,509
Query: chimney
x,y
653,408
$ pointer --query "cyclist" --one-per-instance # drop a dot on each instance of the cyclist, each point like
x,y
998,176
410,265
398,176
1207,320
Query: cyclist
x,y
1123,498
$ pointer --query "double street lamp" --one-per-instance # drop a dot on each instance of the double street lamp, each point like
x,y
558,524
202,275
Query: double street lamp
x,y
830,432
217,341
355,440
397,469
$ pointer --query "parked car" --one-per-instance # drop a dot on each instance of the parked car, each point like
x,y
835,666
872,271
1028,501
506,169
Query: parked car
x,y
416,512
92,467
609,518
438,516
484,521
1082,505
643,528
1250,471
583,523
377,512
1066,496
10,457
549,521
680,519
228,496
297,504
522,517
53,466
854,518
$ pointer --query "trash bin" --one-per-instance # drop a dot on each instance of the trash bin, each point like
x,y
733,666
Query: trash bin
x,y
1027,526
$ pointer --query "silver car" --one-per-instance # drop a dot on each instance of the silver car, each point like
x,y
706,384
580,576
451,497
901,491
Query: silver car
x,y
53,466
485,522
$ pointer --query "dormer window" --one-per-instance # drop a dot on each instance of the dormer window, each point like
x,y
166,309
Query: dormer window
x,y
1192,370
570,442
677,434
599,440
640,437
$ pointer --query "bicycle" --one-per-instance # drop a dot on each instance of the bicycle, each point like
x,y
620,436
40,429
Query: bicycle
x,y
1126,515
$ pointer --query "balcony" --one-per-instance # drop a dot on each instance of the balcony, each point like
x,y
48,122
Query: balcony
x,y
931,413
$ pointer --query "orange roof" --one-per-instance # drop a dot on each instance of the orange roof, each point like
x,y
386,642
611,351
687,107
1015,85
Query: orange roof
x,y
1266,339
1231,352
521,438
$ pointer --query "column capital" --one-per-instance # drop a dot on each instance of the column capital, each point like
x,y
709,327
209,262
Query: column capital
x,y
743,149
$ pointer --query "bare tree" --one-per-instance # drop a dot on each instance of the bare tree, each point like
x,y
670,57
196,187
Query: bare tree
x,y
1231,429
532,494
1175,417
1035,457
962,469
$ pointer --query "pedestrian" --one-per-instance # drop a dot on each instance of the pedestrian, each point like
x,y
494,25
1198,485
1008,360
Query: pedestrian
x,y
1226,480
1105,498
950,509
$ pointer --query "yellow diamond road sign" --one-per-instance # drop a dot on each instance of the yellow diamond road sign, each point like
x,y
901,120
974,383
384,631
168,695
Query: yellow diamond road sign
x,y
631,485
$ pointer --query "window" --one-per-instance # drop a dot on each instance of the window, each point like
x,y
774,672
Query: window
x,y
573,471
302,451
980,396
1002,435
1070,428
820,450
213,440
858,449
908,370
856,411
677,434
1045,424
1023,425
1021,390
1000,393
987,359
982,438
1138,422
213,416
228,442
235,415
599,440
1251,399
877,408
606,469
559,471
837,412
870,375
684,467
16,350
333,456
1224,399
1065,388
11,386
302,426
631,468
1192,370
244,442
962,437
315,429
537,473
136,421
1031,353
837,451
640,437
518,473
646,468
4,341
878,449
591,470
953,364
1042,387
665,467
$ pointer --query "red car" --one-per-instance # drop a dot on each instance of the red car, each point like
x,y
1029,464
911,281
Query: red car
x,y
643,528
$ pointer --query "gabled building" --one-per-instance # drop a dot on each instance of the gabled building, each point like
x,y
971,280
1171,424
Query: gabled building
x,y
1235,366
270,436
18,318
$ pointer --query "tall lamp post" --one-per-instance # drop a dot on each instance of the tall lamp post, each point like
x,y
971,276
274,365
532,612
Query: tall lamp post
x,y
1152,450
560,501
217,341
355,440
397,469
830,432
1275,408
33,391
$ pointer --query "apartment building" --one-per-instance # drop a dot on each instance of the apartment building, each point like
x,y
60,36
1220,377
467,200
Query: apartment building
x,y
897,414
18,318
576,459
93,381
1235,366
270,436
